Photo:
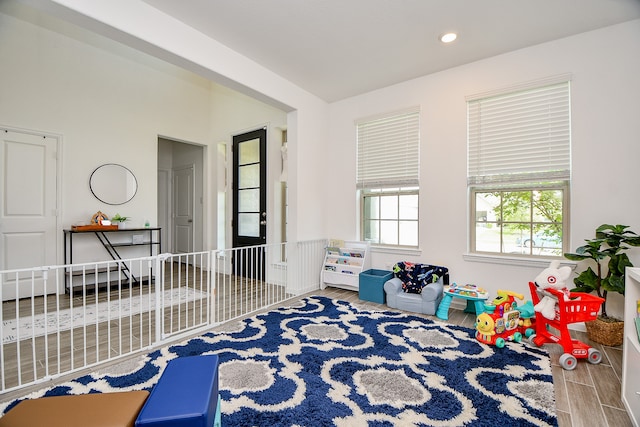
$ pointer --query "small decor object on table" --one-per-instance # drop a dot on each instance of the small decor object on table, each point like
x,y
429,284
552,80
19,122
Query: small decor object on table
x,y
120,221
98,217
99,222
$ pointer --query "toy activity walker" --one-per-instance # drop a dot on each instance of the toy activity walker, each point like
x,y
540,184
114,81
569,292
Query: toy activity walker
x,y
504,320
471,293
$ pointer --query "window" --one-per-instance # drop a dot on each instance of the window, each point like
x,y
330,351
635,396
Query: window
x,y
388,153
519,169
390,216
520,221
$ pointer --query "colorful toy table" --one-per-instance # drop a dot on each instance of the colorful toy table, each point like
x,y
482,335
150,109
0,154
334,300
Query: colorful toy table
x,y
471,293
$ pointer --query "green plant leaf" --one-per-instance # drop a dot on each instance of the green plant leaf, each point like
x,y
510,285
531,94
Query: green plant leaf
x,y
618,263
576,257
587,280
609,243
614,284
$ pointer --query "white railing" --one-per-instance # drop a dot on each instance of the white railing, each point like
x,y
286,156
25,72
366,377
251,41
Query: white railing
x,y
88,314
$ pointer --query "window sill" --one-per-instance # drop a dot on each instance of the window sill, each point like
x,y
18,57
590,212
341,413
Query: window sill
x,y
396,251
517,261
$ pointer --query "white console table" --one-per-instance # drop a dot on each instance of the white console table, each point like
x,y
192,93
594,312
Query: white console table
x,y
151,241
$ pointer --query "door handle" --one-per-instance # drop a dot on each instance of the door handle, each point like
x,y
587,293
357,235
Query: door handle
x,y
189,220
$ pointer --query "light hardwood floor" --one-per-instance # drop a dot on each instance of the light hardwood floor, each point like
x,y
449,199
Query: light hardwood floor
x,y
587,396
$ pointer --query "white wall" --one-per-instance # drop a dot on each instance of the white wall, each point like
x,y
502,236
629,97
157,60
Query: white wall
x,y
110,103
108,109
605,149
139,25
234,114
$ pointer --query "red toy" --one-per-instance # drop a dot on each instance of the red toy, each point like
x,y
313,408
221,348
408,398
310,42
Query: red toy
x,y
503,320
580,307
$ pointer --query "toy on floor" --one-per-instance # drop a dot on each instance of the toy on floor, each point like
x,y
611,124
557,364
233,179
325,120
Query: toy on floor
x,y
552,277
185,395
503,320
579,307
472,293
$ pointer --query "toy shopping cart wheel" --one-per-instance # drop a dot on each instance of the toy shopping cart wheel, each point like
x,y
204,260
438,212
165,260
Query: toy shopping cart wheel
x,y
580,307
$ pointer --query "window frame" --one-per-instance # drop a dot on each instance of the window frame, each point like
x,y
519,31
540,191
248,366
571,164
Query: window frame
x,y
563,186
390,191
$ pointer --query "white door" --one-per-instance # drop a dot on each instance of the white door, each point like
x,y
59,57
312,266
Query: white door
x,y
28,208
183,197
164,208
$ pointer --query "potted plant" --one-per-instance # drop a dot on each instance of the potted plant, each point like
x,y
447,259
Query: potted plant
x,y
119,220
607,251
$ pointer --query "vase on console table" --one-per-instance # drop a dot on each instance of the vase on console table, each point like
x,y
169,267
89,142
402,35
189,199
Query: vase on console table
x,y
120,221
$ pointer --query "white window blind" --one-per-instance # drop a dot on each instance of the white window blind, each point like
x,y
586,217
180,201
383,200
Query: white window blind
x,y
389,150
520,136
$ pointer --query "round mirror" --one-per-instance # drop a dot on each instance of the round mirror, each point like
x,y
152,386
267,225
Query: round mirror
x,y
113,184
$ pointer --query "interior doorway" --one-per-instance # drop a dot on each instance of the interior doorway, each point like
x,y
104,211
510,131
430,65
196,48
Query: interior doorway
x,y
181,195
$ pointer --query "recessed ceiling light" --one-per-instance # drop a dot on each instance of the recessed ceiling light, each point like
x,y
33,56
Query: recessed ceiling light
x,y
448,37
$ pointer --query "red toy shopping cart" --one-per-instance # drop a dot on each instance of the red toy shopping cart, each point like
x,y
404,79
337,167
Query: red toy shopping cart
x,y
580,307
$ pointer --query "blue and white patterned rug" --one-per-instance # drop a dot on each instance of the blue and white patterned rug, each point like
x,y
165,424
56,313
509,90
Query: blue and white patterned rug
x,y
325,362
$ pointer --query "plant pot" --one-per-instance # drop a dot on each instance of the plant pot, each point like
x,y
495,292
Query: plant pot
x,y
121,225
607,333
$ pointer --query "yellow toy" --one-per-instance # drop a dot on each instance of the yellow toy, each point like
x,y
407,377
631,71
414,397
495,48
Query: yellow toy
x,y
503,320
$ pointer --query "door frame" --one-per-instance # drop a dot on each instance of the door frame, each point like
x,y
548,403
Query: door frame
x,y
165,147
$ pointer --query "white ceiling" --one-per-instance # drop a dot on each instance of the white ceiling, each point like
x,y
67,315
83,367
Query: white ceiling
x,y
340,48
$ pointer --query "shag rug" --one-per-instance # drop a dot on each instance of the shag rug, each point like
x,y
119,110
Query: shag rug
x,y
325,362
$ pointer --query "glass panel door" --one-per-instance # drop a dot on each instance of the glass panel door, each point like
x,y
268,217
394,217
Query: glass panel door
x,y
249,192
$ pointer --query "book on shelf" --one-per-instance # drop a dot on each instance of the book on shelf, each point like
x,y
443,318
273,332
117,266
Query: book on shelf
x,y
336,242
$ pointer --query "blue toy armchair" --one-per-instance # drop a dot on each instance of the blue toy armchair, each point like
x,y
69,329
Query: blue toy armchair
x,y
416,287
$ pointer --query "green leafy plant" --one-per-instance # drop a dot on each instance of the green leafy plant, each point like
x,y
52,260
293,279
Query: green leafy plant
x,y
118,218
606,249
